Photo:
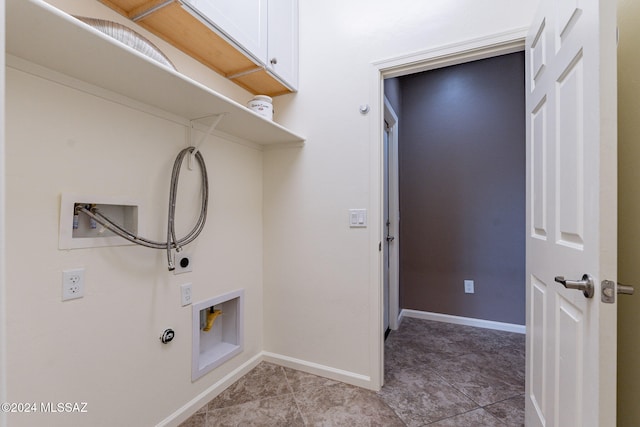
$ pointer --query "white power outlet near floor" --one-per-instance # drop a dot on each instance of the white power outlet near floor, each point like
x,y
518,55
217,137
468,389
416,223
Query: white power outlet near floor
x,y
468,287
72,284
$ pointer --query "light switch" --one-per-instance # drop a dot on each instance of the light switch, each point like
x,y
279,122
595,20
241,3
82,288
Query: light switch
x,y
357,218
354,218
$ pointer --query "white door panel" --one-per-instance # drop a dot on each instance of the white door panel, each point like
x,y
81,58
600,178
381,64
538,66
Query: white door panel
x,y
570,156
539,169
571,213
537,349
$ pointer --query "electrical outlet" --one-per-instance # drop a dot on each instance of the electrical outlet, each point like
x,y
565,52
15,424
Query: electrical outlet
x,y
468,287
185,294
72,284
183,263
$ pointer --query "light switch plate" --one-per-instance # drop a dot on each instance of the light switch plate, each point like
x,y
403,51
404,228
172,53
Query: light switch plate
x,y
185,294
357,218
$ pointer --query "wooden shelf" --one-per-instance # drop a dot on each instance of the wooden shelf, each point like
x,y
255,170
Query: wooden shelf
x,y
178,27
41,34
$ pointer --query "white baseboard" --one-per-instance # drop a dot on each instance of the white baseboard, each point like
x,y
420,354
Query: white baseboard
x,y
480,323
321,370
188,409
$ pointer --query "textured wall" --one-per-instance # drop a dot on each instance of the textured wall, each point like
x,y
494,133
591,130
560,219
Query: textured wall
x,y
3,334
393,93
628,212
462,189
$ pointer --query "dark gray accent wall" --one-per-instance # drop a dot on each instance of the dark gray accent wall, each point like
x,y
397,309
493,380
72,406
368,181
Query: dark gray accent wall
x,y
393,93
462,189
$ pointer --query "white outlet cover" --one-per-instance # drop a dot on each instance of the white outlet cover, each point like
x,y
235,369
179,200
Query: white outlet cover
x,y
72,284
178,259
468,287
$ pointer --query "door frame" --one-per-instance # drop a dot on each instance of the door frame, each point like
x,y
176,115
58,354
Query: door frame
x,y
391,118
470,50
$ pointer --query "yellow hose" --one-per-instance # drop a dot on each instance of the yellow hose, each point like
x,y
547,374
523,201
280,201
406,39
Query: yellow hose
x,y
211,317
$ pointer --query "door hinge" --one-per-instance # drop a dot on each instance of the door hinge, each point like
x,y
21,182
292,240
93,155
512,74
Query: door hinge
x,y
379,246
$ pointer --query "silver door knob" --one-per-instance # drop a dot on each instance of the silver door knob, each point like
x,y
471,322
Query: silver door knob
x,y
585,285
274,61
390,239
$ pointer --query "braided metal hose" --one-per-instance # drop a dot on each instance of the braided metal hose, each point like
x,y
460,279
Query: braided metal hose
x,y
172,241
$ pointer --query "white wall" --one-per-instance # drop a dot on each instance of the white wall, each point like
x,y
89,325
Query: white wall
x,y
628,379
104,349
321,287
320,295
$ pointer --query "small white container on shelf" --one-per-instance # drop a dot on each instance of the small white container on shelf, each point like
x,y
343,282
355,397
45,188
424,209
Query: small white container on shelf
x,y
262,105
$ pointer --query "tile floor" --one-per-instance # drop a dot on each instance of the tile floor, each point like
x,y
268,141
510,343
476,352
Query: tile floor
x,y
436,374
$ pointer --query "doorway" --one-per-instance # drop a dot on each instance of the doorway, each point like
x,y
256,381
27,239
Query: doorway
x,y
462,192
424,61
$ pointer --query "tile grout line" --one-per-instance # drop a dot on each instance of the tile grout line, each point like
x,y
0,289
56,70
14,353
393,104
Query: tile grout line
x,y
457,389
466,412
293,394
249,401
465,394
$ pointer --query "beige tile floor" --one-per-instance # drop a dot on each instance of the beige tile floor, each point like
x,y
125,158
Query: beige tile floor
x,y
436,374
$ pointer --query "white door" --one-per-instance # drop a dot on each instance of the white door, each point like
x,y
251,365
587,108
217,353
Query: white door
x,y
571,213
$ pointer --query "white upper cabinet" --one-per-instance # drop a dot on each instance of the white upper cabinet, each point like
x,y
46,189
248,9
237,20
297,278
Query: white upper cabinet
x,y
267,30
242,21
283,40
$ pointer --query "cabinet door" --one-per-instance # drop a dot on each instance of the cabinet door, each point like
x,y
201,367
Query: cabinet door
x,y
243,21
283,41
